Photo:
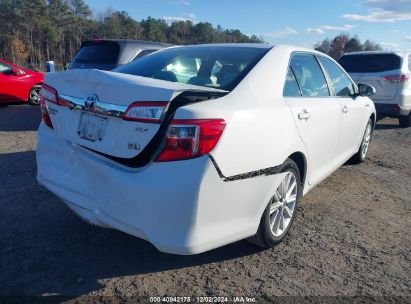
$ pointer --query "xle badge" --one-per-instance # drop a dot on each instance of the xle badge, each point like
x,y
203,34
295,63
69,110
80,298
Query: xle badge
x,y
134,146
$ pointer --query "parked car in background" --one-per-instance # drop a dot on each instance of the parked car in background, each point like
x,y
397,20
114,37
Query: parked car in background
x,y
390,74
18,84
195,147
108,54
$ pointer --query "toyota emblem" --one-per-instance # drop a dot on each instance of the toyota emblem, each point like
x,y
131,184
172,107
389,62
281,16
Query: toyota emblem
x,y
90,102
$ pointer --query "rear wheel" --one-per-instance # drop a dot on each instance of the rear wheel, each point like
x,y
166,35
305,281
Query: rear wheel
x,y
34,96
280,212
405,121
360,156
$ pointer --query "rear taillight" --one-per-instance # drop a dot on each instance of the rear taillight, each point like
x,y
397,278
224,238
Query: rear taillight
x,y
45,117
49,94
145,111
190,138
397,78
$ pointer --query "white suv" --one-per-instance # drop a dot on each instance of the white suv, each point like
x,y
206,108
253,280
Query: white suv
x,y
389,73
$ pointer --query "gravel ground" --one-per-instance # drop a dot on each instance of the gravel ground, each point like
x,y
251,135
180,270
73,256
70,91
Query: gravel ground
x,y
351,237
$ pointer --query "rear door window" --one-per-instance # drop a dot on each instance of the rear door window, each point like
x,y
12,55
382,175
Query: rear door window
x,y
342,85
309,75
372,63
291,88
101,55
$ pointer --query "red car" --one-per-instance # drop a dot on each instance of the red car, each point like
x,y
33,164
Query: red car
x,y
19,84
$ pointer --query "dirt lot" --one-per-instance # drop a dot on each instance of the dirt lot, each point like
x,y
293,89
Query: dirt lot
x,y
351,236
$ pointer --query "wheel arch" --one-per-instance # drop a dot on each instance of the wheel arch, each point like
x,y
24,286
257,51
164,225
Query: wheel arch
x,y
301,162
373,119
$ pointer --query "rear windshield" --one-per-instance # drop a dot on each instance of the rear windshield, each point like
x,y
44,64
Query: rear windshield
x,y
370,63
144,53
210,66
102,55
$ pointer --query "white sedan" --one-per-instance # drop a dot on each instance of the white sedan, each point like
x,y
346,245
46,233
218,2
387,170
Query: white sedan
x,y
195,147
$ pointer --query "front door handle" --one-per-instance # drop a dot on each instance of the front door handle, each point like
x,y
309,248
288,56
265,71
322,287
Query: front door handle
x,y
304,115
345,109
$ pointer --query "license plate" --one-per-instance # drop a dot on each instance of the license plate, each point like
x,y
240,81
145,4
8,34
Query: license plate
x,y
91,127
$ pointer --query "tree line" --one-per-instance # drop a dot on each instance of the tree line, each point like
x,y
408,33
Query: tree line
x,y
35,31
344,43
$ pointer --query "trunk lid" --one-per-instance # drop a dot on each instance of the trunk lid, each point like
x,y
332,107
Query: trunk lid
x,y
94,102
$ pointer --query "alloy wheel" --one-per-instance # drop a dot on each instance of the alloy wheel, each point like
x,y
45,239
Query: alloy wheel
x,y
283,204
35,96
366,141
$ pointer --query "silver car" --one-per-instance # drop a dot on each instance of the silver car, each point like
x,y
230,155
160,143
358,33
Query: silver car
x,y
389,73
107,54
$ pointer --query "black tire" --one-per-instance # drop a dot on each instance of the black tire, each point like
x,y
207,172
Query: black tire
x,y
405,121
265,237
34,95
360,156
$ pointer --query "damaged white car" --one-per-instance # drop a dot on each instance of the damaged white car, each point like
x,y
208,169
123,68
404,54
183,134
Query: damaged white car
x,y
195,147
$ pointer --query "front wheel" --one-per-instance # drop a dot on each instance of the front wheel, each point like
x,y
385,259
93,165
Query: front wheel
x,y
280,212
34,95
360,156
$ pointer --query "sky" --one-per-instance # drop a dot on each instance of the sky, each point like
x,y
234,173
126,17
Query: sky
x,y
296,22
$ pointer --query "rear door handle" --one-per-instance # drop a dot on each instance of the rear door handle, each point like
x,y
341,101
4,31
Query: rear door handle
x,y
304,115
345,109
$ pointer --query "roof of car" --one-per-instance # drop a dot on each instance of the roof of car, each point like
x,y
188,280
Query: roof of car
x,y
254,45
10,63
130,41
374,53
5,61
284,47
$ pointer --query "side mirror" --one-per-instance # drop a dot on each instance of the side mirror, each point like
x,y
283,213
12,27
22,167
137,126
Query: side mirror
x,y
365,90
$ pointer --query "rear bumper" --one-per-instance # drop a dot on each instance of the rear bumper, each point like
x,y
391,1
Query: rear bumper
x,y
391,110
180,207
396,107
